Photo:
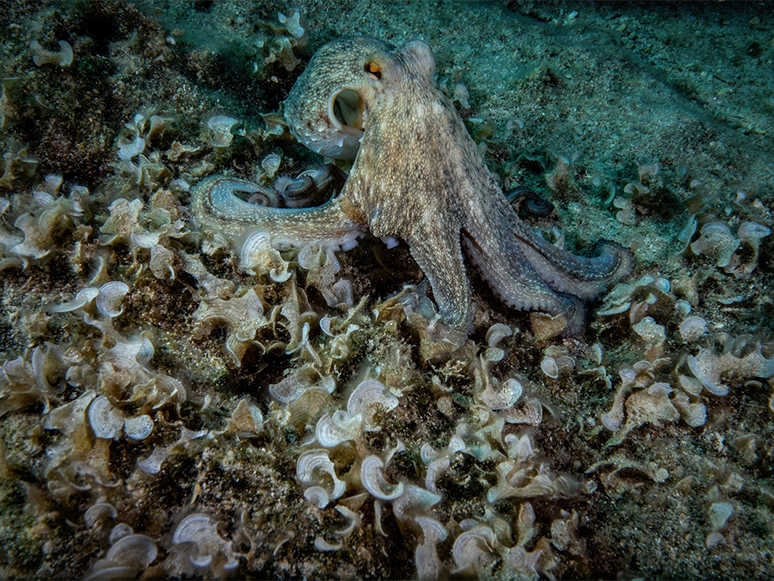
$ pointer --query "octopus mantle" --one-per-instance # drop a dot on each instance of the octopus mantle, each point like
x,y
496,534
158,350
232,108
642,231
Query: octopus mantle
x,y
417,175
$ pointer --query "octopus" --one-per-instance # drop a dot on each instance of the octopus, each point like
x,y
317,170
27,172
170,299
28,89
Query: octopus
x,y
418,176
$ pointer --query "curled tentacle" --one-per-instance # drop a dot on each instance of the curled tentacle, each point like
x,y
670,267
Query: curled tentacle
x,y
584,277
215,203
526,197
311,188
515,282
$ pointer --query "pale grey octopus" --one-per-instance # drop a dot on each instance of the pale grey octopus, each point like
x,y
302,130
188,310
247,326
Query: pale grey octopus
x,y
417,175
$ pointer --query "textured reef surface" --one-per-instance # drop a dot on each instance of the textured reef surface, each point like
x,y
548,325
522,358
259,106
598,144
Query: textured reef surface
x,y
206,372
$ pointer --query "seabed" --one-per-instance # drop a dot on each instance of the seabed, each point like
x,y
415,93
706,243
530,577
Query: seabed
x,y
171,407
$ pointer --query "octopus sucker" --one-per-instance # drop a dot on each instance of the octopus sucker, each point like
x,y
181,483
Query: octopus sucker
x,y
417,175
520,286
584,277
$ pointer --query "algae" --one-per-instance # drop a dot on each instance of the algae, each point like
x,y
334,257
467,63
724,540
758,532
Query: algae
x,y
579,101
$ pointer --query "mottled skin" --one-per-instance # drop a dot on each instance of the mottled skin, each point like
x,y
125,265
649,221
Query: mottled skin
x,y
417,175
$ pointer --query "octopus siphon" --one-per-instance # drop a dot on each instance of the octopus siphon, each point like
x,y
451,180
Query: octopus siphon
x,y
417,175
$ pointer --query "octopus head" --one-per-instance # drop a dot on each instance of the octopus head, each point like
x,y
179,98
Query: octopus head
x,y
328,106
413,62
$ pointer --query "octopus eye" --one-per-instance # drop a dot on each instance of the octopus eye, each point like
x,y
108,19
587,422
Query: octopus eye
x,y
373,71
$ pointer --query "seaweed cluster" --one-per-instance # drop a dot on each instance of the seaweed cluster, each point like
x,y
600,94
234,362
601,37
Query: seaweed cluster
x,y
178,403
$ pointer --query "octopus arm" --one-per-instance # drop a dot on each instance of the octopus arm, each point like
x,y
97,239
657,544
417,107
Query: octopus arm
x,y
216,204
513,279
584,277
439,254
